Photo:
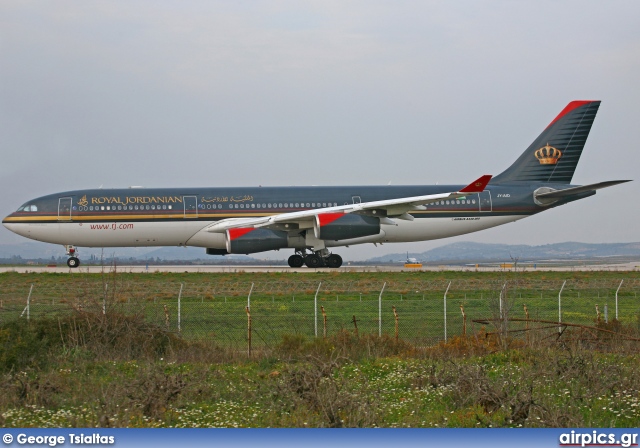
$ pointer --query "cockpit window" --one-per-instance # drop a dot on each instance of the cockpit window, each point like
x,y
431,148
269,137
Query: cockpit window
x,y
28,208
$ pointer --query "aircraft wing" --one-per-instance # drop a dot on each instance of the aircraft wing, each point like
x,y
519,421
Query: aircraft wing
x,y
559,194
385,209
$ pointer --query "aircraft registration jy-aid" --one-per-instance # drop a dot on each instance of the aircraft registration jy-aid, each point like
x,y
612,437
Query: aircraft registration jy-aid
x,y
311,220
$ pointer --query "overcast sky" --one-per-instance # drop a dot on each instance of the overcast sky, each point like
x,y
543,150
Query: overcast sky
x,y
164,94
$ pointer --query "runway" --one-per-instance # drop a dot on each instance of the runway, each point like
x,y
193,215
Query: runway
x,y
63,269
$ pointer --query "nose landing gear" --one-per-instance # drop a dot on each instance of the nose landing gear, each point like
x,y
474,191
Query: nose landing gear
x,y
73,261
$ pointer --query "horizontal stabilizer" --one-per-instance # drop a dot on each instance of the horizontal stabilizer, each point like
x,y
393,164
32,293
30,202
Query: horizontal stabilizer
x,y
559,194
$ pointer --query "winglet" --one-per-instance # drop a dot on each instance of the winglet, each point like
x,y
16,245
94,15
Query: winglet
x,y
478,185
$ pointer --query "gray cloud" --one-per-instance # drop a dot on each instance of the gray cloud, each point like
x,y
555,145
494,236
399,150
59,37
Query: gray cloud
x,y
291,93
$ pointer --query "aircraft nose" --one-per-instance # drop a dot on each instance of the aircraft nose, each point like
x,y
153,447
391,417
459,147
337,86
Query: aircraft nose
x,y
13,226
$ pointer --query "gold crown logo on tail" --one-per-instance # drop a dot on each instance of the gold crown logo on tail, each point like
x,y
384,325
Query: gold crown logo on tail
x,y
548,155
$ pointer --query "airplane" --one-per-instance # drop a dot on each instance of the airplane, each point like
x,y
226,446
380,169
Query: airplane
x,y
312,220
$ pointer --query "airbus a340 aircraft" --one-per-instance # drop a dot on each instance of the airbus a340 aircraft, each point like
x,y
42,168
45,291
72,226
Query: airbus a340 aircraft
x,y
310,220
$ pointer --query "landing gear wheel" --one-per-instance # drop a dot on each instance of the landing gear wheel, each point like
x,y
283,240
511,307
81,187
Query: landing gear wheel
x,y
73,262
296,261
334,261
313,261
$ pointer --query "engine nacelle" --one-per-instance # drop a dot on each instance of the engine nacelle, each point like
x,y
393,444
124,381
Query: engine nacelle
x,y
250,239
344,226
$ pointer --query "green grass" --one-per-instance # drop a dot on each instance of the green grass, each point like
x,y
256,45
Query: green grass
x,y
331,384
212,306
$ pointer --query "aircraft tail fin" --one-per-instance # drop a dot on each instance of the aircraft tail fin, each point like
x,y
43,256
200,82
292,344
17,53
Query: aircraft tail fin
x,y
554,155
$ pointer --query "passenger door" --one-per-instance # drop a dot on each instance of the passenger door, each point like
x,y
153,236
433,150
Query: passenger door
x,y
190,206
485,201
64,209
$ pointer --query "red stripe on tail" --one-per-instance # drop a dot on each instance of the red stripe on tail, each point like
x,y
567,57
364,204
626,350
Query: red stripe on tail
x,y
571,106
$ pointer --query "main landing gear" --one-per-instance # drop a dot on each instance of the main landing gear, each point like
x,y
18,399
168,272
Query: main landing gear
x,y
315,260
72,261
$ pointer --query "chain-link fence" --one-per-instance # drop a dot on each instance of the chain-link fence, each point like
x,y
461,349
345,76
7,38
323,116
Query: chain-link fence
x,y
422,312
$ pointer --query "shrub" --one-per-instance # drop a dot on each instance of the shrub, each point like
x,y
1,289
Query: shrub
x,y
112,336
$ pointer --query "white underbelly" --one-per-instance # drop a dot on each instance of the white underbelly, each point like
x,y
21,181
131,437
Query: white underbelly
x,y
181,233
423,229
112,234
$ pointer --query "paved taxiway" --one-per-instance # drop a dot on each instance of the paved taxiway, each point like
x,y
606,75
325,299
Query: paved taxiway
x,y
632,266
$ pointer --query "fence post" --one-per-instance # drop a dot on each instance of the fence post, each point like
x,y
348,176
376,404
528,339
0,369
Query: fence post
x,y
166,316
355,324
248,308
104,298
526,313
249,296
619,286
502,292
324,321
27,309
179,307
379,311
315,310
445,312
395,315
560,307
248,331
464,320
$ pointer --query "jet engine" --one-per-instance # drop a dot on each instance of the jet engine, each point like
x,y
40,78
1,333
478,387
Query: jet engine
x,y
344,226
248,240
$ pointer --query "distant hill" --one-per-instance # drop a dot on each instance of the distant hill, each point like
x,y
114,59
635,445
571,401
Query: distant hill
x,y
467,252
481,252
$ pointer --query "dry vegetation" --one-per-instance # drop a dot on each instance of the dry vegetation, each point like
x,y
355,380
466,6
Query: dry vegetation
x,y
92,369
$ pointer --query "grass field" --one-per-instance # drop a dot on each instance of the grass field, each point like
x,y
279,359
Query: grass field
x,y
213,306
91,370
75,363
